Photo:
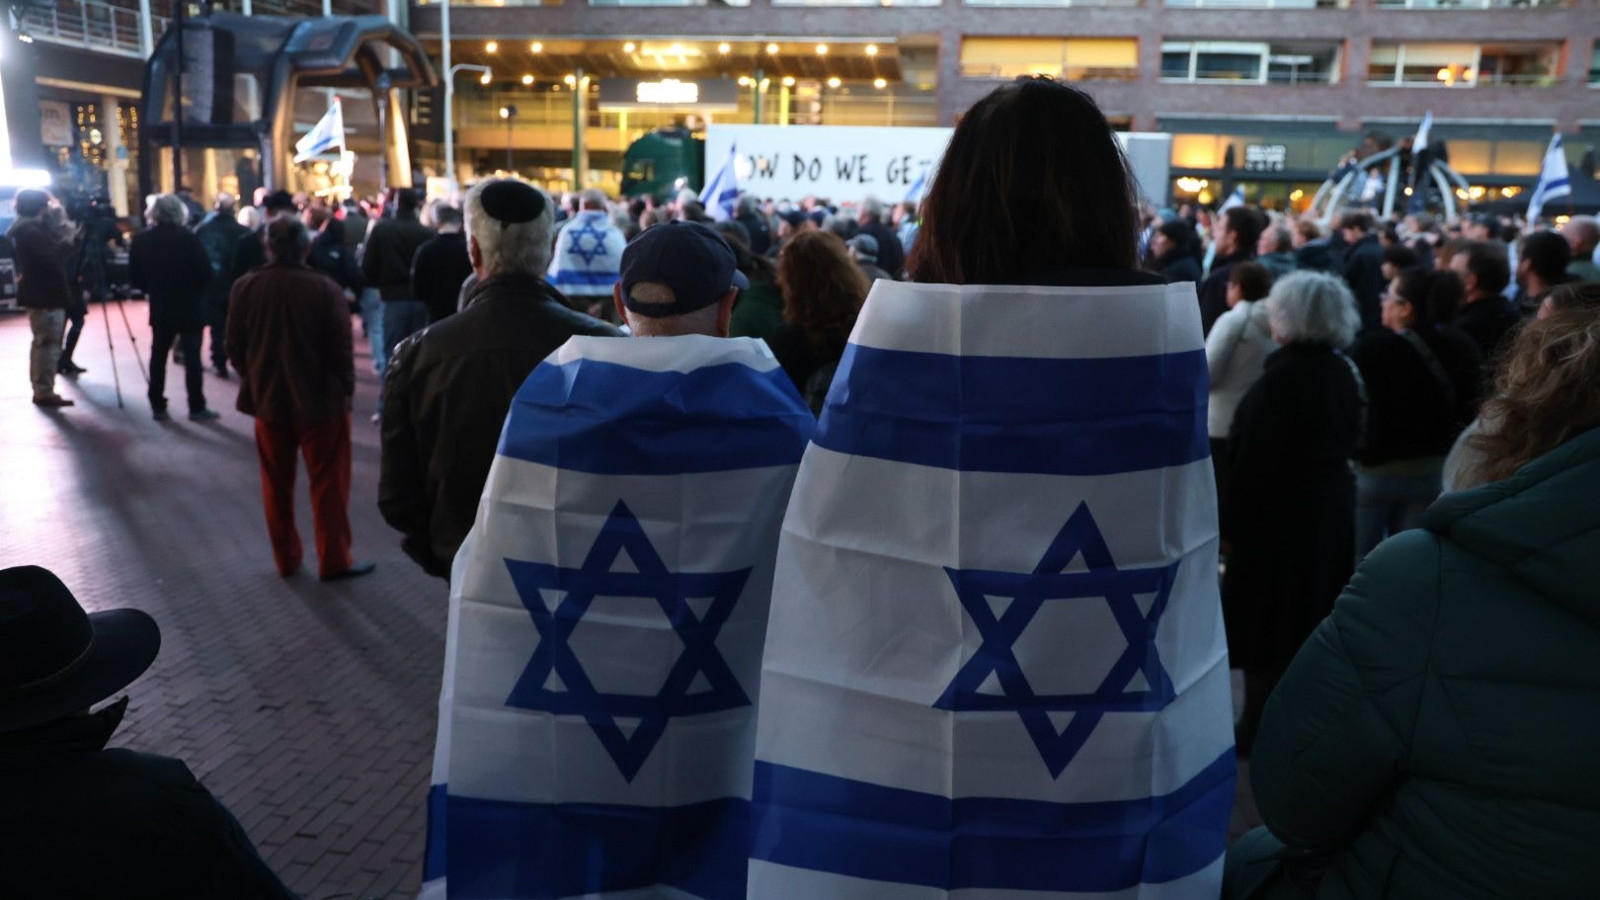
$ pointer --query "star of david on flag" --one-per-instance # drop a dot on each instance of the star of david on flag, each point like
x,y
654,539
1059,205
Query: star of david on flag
x,y
1021,596
697,605
592,248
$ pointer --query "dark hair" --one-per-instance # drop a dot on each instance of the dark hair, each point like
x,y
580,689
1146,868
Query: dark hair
x,y
29,203
1253,279
1033,180
445,214
1488,263
1179,232
1434,295
1492,223
319,216
823,288
287,240
405,199
1575,295
1400,256
1548,254
1359,219
1246,225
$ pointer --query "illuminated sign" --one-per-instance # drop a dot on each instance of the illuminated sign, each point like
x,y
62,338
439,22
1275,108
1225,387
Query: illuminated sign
x,y
1265,157
669,92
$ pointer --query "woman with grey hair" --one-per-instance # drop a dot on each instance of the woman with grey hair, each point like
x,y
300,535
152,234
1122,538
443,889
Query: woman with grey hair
x,y
1288,515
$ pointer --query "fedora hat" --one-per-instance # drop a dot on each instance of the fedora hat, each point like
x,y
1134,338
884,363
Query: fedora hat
x,y
55,659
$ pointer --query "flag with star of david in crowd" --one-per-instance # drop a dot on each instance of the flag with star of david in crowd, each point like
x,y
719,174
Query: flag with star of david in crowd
x,y
607,617
995,665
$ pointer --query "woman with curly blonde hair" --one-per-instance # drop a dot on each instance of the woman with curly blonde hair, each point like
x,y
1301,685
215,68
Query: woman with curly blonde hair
x,y
1435,736
823,290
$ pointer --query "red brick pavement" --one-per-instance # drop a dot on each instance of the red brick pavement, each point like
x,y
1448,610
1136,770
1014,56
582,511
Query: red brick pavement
x,y
308,708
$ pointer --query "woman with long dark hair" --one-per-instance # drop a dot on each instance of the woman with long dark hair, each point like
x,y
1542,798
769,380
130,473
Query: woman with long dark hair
x,y
996,659
823,289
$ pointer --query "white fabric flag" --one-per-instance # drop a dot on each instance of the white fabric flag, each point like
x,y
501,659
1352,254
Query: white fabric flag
x,y
1420,142
721,193
1234,199
607,615
996,667
324,136
1554,180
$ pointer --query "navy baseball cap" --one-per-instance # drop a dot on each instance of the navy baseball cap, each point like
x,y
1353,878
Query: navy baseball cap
x,y
688,257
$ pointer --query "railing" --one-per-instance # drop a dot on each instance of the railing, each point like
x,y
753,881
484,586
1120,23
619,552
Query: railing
x,y
1473,4
1422,80
1065,73
1055,3
1259,4
91,23
855,2
1273,78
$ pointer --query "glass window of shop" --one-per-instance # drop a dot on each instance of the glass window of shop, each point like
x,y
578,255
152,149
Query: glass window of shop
x,y
1302,153
1075,59
1290,197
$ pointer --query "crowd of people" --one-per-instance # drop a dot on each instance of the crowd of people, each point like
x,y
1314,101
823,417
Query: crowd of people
x,y
1403,423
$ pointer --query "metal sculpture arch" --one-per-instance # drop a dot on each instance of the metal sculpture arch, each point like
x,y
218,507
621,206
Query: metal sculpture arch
x,y
1345,187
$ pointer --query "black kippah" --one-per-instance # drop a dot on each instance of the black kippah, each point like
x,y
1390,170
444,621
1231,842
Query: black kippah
x,y
512,202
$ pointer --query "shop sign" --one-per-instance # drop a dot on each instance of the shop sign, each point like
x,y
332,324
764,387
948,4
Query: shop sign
x,y
55,124
700,95
1265,157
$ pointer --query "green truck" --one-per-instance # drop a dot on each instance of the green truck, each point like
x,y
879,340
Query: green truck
x,y
662,163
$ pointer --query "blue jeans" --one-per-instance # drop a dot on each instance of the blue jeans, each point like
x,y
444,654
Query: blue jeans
x,y
1389,504
401,319
372,323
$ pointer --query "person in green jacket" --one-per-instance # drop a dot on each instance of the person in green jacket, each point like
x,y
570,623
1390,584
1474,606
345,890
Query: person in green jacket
x,y
759,313
1438,735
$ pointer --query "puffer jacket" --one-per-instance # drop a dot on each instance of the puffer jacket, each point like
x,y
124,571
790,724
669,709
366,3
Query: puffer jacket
x,y
445,398
1437,736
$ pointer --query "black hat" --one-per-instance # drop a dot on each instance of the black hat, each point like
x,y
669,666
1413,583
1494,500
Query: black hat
x,y
512,202
691,259
278,201
55,659
1492,223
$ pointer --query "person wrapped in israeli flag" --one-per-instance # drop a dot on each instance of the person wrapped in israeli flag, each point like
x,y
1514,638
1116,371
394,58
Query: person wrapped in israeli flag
x,y
609,607
995,666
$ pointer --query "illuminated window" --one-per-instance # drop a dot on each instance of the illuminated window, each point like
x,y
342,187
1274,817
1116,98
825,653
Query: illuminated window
x,y
1075,59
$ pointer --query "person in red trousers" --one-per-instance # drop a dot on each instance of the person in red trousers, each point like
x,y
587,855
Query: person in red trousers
x,y
289,336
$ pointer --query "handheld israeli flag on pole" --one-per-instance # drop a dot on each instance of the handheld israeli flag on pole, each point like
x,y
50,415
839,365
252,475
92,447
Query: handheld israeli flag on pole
x,y
1234,199
1420,142
324,136
996,665
607,615
721,194
1553,179
914,193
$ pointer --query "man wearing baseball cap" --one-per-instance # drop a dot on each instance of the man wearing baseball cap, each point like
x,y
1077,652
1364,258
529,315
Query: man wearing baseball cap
x,y
81,820
678,278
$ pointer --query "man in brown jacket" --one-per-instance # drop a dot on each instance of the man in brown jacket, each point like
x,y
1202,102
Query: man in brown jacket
x,y
289,335
42,289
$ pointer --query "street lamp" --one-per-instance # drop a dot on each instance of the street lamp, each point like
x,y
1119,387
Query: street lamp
x,y
449,121
508,112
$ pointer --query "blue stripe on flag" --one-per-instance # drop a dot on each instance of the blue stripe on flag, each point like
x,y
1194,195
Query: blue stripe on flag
x,y
504,849
569,277
610,419
1011,414
433,851
823,823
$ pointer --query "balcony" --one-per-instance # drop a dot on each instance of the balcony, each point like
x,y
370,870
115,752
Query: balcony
x,y
1458,66
1058,4
1249,62
93,24
1458,5
1070,59
1258,4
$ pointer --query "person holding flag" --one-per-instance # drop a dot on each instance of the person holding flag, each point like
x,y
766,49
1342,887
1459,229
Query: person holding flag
x,y
1553,180
327,134
608,608
995,664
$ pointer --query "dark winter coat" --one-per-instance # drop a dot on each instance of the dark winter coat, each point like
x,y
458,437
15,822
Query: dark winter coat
x,y
331,257
386,259
170,265
891,256
89,823
1214,290
1436,737
220,236
41,260
1489,322
289,337
1410,415
1289,510
445,398
1363,272
438,271
1178,265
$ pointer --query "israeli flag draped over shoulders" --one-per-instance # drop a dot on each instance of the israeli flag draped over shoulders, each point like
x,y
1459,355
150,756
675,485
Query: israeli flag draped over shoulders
x,y
607,617
996,666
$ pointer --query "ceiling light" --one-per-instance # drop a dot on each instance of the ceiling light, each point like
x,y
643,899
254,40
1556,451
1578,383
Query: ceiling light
x,y
570,80
788,81
880,83
822,49
676,49
834,82
724,48
527,79
491,47
536,47
485,79
744,81
629,47
872,49
772,49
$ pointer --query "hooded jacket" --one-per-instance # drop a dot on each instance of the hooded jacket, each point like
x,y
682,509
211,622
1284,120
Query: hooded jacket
x,y
1437,735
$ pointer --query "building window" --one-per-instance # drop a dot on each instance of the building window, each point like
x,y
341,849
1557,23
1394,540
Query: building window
x,y
1463,65
1259,4
1052,3
1075,59
1594,67
1249,63
849,2
1471,4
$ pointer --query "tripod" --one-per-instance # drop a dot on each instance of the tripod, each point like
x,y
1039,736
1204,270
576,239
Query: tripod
x,y
133,340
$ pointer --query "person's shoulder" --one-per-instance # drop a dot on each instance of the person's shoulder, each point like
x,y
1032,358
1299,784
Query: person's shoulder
x,y
141,771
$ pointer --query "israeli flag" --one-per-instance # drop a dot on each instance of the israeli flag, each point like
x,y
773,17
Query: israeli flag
x,y
1420,142
996,665
721,194
324,136
1234,199
607,615
1553,179
914,193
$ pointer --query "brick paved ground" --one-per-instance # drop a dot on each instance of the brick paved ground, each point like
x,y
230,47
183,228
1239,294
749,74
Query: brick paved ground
x,y
308,708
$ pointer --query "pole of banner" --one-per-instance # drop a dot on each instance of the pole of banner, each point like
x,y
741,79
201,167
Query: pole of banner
x,y
580,120
449,97
177,98
756,120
